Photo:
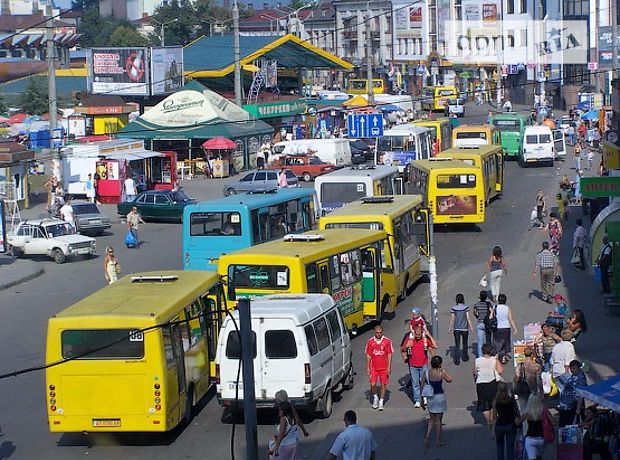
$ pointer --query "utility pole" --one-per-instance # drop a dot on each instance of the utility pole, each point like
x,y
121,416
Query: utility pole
x,y
499,51
247,361
237,53
51,78
371,93
162,35
614,39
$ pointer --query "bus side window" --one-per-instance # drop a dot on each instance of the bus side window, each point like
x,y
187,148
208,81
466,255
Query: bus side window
x,y
334,272
167,337
325,286
398,238
256,234
212,320
368,260
420,230
312,281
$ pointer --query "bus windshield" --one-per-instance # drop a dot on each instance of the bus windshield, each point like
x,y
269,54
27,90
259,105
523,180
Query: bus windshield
x,y
456,181
342,192
259,276
471,135
507,125
391,143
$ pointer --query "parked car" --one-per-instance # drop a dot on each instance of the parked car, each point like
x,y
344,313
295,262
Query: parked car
x,y
255,181
457,106
158,204
51,237
360,152
88,218
306,167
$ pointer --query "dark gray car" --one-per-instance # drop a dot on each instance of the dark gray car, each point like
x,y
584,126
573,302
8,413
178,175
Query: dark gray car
x,y
254,181
88,219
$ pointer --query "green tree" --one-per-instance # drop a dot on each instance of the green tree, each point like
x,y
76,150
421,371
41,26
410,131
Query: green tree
x,y
84,4
127,36
180,22
34,99
97,31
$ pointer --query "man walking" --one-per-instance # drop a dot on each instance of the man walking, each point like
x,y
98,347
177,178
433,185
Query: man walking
x,y
482,309
579,241
548,265
67,214
354,443
130,189
379,365
133,220
414,350
604,262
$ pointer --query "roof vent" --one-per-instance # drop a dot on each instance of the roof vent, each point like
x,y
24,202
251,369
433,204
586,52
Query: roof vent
x,y
154,279
377,199
304,237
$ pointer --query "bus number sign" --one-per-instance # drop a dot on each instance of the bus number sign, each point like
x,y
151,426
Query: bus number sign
x,y
136,336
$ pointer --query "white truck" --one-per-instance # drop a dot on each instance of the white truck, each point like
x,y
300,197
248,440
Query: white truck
x,y
54,238
334,151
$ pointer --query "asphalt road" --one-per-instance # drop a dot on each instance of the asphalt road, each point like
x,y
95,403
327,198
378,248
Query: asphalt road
x,y
461,255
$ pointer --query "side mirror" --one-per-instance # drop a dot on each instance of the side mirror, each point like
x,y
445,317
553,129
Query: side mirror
x,y
230,291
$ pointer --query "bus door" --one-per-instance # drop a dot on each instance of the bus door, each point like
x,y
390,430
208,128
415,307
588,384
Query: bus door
x,y
559,144
422,231
371,284
178,361
325,286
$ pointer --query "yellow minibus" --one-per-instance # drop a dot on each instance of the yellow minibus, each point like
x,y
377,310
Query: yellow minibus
x,y
136,355
443,131
475,135
490,160
360,86
436,98
405,219
452,189
345,263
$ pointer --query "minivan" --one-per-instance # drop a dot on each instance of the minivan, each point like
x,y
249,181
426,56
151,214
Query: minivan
x,y
538,145
300,344
334,151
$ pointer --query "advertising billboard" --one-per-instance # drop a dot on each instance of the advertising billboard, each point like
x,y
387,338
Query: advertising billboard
x,y
166,70
118,71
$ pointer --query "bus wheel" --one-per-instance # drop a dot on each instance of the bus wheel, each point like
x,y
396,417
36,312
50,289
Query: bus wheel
x,y
327,403
189,406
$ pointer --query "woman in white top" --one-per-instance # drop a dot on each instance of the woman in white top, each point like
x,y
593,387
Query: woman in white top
x,y
287,435
111,267
501,337
563,353
487,369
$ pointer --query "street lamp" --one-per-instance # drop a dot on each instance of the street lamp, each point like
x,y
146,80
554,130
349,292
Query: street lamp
x,y
271,19
211,20
161,29
295,13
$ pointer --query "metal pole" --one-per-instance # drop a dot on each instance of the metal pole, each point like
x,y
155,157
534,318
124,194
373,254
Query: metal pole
x,y
432,273
237,53
371,94
500,62
162,35
247,361
51,78
614,39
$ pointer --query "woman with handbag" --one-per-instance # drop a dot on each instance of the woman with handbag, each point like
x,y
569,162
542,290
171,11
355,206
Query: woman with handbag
x,y
496,269
437,400
284,445
506,415
501,337
487,371
539,428
111,267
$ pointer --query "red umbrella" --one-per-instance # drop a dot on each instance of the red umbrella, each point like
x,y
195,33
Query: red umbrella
x,y
219,143
17,118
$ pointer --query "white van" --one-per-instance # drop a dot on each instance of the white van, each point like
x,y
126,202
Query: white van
x,y
334,151
301,346
538,145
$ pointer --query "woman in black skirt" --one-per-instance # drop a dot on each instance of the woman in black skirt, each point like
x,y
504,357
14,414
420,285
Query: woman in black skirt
x,y
487,370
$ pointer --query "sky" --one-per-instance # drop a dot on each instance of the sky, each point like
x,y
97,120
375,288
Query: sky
x,y
63,3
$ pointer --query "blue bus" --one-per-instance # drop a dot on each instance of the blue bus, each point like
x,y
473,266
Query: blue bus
x,y
215,227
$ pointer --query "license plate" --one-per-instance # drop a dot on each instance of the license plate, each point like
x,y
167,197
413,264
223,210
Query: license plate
x,y
106,422
232,385
95,221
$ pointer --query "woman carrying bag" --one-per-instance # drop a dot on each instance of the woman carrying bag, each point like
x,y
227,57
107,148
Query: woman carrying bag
x,y
487,371
284,445
437,400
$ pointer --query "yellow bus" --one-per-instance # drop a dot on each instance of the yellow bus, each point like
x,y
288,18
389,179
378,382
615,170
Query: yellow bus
x,y
436,98
490,160
345,263
360,86
452,189
136,355
405,219
475,135
443,131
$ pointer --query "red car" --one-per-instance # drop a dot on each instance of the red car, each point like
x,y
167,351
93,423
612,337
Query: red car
x,y
307,167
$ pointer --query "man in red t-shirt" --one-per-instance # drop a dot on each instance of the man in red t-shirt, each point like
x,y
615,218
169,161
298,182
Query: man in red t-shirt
x,y
414,350
378,365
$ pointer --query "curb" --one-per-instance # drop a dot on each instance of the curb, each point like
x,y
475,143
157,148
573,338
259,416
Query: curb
x,y
23,279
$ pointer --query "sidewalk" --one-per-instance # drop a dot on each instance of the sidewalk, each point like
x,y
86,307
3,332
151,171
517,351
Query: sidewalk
x,y
16,271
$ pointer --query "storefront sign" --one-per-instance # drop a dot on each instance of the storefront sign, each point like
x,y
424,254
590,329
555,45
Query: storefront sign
x,y
594,187
611,155
276,109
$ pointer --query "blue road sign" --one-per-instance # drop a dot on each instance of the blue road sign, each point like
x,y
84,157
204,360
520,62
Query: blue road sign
x,y
365,125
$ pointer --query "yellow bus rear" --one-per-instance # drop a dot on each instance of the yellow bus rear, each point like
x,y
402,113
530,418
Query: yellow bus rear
x,y
405,219
453,190
345,263
490,160
475,135
360,86
436,98
443,131
135,356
